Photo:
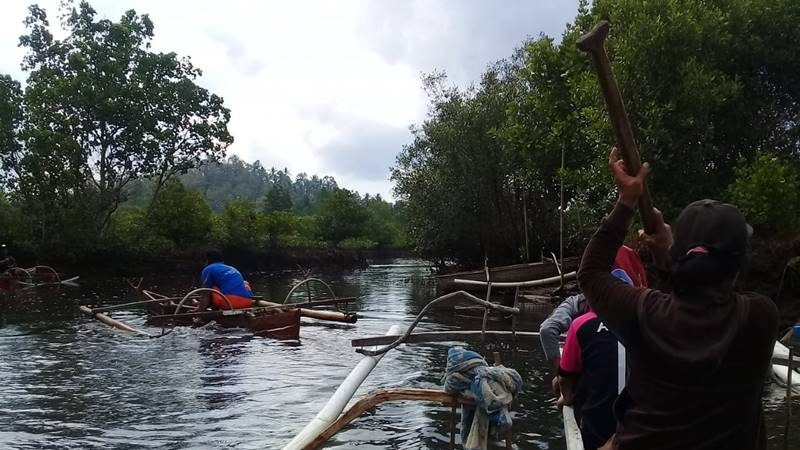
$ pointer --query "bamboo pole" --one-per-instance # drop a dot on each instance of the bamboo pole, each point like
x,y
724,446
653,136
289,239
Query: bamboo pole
x,y
331,316
381,396
125,305
338,401
510,284
269,306
112,322
442,336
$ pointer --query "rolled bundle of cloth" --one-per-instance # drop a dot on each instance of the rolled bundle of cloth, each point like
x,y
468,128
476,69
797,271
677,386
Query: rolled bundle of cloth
x,y
492,388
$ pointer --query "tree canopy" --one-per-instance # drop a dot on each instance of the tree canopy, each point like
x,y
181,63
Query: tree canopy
x,y
102,109
706,85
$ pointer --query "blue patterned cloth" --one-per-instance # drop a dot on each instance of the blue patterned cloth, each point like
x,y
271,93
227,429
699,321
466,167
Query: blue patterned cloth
x,y
492,388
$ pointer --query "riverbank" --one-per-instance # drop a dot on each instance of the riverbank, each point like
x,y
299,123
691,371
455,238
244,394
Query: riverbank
x,y
131,263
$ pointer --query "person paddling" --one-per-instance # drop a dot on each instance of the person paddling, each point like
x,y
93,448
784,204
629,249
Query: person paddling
x,y
698,351
226,279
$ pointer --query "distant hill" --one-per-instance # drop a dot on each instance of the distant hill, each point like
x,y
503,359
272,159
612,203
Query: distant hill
x,y
235,178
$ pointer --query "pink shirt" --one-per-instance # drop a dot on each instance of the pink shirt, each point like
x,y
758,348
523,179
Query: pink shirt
x,y
571,361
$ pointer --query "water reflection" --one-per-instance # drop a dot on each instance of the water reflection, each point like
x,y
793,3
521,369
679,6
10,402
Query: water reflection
x,y
69,382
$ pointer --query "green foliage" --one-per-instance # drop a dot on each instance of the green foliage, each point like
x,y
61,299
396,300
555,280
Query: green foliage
x,y
113,146
180,215
14,228
340,216
10,122
280,226
692,74
767,191
235,178
358,243
240,225
101,110
130,230
277,199
384,226
462,182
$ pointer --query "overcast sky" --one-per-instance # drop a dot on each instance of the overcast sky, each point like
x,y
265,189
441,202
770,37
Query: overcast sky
x,y
324,87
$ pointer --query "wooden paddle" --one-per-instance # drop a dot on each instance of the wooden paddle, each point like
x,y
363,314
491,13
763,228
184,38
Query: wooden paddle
x,y
593,43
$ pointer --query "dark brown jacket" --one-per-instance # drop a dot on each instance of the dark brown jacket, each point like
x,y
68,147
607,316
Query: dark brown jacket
x,y
698,362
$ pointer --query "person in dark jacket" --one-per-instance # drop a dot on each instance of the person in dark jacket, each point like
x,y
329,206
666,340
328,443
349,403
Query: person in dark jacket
x,y
698,351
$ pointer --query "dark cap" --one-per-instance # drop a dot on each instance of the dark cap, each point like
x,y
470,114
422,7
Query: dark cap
x,y
712,226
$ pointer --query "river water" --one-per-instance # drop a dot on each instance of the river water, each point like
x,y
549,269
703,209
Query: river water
x,y
67,381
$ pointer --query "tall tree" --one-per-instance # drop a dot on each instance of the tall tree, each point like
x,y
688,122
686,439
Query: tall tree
x,y
10,123
707,84
180,215
277,199
341,216
117,111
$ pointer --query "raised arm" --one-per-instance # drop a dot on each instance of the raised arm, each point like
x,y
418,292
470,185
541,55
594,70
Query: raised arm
x,y
612,300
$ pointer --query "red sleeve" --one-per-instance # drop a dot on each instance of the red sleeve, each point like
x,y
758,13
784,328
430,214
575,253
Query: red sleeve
x,y
571,361
616,303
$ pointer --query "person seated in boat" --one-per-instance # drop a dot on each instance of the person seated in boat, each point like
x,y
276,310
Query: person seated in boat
x,y
6,261
560,320
588,375
698,351
226,279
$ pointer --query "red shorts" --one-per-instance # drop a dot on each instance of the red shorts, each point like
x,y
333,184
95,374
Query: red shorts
x,y
236,301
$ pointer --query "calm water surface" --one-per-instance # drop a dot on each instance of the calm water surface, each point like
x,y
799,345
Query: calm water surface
x,y
69,382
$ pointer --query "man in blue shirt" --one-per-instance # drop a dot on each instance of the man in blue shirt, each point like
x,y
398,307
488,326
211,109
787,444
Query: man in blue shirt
x,y
226,279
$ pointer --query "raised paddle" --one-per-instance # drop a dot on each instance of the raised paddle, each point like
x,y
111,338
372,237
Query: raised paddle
x,y
593,43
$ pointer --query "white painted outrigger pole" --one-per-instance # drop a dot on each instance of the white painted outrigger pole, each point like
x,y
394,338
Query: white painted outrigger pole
x,y
339,400
572,432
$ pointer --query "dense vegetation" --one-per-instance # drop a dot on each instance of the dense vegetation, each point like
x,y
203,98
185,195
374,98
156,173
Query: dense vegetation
x,y
235,204
112,148
712,90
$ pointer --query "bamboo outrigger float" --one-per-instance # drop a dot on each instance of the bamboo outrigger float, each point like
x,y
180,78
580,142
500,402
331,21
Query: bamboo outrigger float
x,y
270,319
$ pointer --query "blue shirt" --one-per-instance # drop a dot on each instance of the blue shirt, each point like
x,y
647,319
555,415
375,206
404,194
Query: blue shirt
x,y
226,278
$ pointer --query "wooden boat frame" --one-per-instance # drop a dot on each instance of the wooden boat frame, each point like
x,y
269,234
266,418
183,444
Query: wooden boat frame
x,y
35,276
277,320
499,276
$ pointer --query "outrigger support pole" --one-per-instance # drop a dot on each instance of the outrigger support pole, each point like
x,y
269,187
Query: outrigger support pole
x,y
336,404
458,295
112,322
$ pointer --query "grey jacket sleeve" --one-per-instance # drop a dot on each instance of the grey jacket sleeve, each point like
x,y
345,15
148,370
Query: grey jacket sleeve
x,y
559,322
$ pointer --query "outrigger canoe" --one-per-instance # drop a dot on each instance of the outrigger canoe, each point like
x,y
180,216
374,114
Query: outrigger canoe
x,y
505,274
274,322
269,319
18,277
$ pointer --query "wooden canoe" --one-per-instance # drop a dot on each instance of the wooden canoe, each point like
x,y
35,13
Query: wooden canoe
x,y
283,323
18,277
513,274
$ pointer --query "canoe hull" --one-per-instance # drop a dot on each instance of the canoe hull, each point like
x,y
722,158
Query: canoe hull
x,y
277,323
511,274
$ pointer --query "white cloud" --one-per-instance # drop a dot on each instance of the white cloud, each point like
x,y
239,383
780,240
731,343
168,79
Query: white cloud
x,y
324,87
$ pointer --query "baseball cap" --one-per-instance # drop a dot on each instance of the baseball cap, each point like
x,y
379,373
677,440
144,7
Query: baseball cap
x,y
714,229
